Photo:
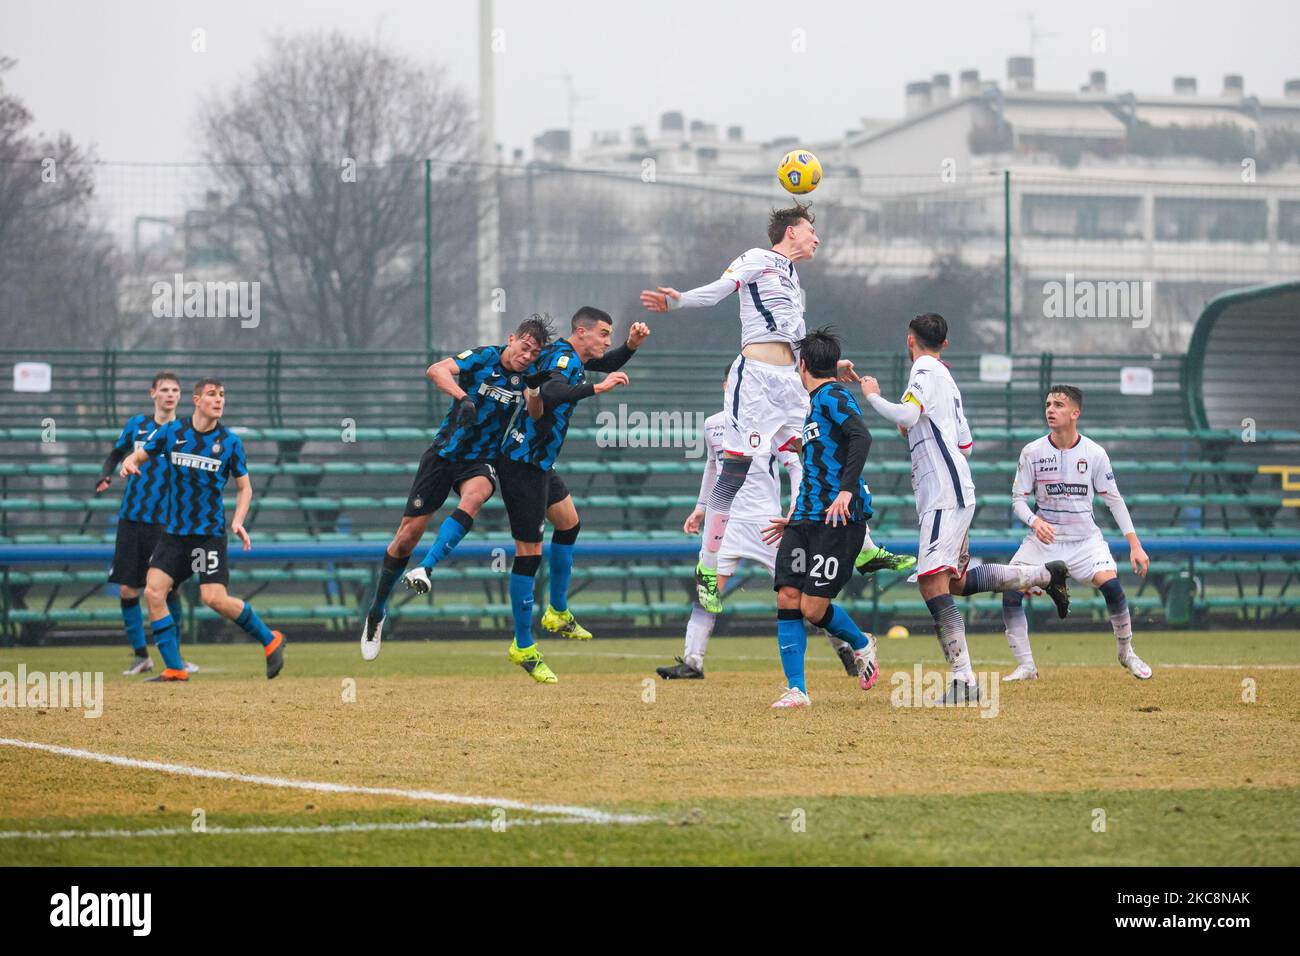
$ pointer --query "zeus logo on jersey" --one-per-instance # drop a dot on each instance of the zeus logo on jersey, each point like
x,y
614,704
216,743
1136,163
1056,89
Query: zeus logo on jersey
x,y
499,394
183,460
1064,488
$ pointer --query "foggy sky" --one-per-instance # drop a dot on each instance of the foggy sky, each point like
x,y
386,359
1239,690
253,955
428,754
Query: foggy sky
x,y
121,75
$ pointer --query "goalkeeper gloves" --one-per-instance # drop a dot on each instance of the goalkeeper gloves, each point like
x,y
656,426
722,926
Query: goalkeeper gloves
x,y
464,413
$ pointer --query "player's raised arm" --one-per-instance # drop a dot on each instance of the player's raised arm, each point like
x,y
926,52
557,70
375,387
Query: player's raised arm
x,y
446,373
616,358
904,414
557,390
744,269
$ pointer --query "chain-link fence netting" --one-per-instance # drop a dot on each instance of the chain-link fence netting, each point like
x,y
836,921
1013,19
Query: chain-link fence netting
x,y
261,256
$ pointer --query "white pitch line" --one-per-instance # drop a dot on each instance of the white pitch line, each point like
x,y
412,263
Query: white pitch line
x,y
322,829
586,814
724,658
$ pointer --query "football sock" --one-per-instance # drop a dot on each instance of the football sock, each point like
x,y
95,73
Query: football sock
x,y
698,630
1120,622
388,575
174,606
454,527
521,596
1004,577
837,622
134,621
867,543
562,565
1017,626
253,626
792,640
951,630
165,637
730,479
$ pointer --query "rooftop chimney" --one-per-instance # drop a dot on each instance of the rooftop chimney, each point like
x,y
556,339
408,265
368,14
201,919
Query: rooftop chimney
x,y
916,98
1291,89
1096,81
553,145
1184,86
1234,85
1020,72
735,134
940,89
671,122
970,82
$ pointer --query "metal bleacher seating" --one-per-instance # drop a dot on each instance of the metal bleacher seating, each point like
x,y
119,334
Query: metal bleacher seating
x,y
333,440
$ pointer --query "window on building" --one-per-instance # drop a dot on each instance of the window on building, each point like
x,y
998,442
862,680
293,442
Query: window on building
x,y
1211,220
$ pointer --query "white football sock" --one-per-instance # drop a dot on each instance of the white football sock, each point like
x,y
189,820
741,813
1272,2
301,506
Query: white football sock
x,y
1017,626
698,630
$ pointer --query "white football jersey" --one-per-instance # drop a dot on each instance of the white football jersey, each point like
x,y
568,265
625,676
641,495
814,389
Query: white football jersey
x,y
1062,482
759,498
771,299
940,473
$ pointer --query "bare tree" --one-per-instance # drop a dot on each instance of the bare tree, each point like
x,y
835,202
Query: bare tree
x,y
322,154
59,269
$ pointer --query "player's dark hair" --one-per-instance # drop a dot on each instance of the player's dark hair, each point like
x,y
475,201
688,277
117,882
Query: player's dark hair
x,y
930,329
166,377
819,351
203,383
783,219
1069,391
588,316
537,326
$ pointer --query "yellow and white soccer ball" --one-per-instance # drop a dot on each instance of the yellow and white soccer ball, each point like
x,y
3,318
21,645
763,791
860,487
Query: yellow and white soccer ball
x,y
897,631
799,171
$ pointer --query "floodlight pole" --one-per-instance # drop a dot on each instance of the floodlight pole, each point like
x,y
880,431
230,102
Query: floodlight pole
x,y
489,258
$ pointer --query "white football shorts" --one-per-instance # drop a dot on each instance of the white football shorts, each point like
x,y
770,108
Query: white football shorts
x,y
1084,556
766,406
944,540
743,540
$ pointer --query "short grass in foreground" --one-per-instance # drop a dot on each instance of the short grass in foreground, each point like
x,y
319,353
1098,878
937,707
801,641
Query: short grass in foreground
x,y
1181,770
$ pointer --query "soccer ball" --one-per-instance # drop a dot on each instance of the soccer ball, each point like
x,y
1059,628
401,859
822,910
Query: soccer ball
x,y
897,631
799,171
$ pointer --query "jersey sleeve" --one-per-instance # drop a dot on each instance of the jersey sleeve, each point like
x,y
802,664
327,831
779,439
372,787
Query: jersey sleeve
x,y
473,359
125,443
746,267
237,466
157,443
1022,489
921,389
965,440
1103,482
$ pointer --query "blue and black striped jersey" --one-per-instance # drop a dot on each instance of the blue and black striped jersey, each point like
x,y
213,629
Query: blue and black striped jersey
x,y
145,496
538,441
825,450
497,393
199,465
